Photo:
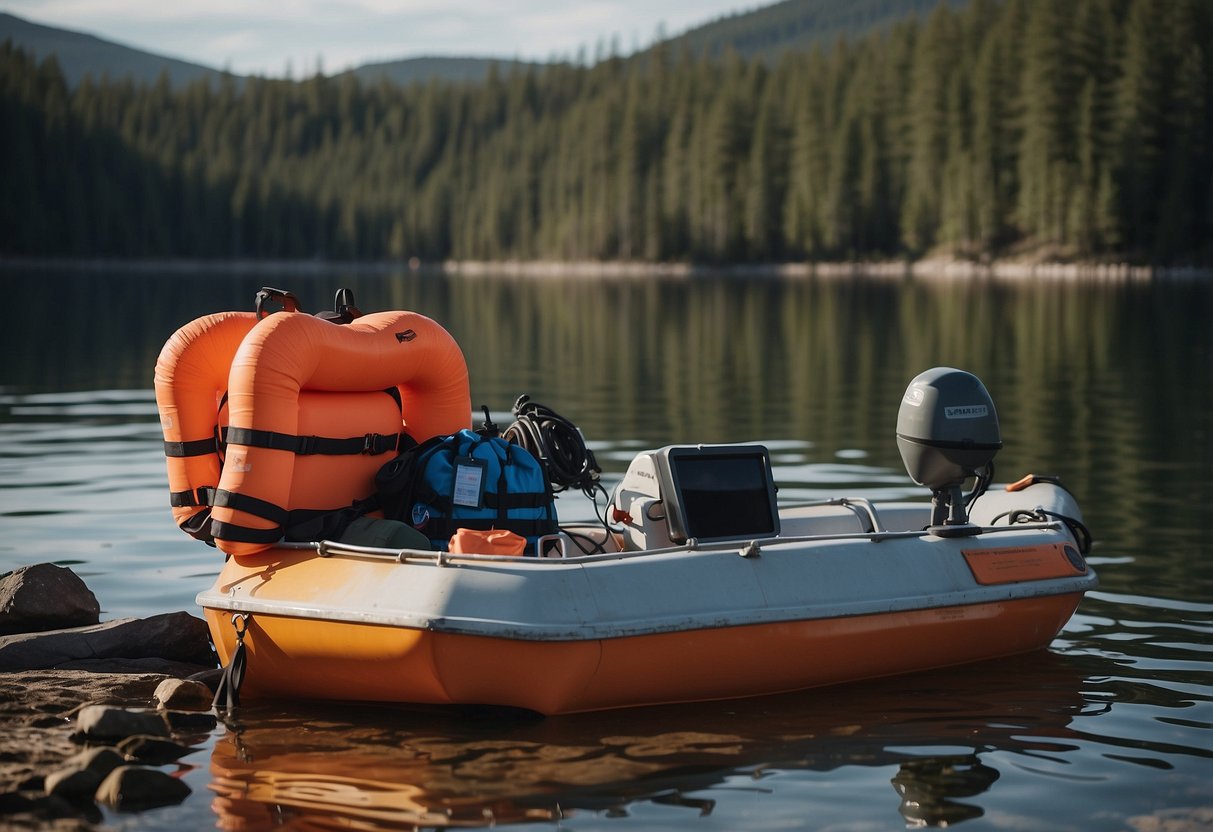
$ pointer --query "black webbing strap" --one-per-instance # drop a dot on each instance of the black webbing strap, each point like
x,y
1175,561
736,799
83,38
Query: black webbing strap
x,y
379,443
199,526
227,692
371,444
501,503
195,447
502,487
506,502
243,534
250,505
204,496
298,524
394,392
326,524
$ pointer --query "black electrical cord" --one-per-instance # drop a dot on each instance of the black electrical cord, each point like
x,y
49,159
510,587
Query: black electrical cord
x,y
1080,533
984,477
557,443
559,446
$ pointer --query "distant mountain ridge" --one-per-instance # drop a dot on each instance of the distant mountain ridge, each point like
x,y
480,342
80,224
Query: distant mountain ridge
x,y
764,32
768,31
410,70
80,54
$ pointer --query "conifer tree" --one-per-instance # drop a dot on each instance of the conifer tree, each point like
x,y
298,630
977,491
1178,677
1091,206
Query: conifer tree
x,y
935,57
1141,99
1046,163
1083,128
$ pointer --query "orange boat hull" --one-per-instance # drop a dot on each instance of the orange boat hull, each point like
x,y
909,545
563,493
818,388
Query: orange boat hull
x,y
292,657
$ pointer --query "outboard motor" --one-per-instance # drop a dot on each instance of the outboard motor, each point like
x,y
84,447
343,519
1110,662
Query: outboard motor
x,y
947,431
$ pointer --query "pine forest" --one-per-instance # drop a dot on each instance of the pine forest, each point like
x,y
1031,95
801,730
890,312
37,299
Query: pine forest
x,y
1065,130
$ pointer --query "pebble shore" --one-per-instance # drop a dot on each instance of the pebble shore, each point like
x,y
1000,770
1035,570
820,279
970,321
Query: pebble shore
x,y
94,714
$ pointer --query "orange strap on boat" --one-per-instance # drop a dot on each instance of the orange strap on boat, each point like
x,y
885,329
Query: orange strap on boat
x,y
1032,479
1021,484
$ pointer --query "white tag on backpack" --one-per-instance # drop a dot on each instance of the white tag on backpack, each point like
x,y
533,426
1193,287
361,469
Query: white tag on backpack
x,y
469,482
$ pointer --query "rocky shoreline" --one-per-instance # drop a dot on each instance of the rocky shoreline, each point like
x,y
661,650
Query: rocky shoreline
x,y
94,714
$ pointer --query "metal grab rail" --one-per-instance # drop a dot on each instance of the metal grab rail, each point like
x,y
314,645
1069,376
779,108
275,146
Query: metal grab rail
x,y
746,548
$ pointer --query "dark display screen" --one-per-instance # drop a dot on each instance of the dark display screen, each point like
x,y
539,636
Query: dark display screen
x,y
724,495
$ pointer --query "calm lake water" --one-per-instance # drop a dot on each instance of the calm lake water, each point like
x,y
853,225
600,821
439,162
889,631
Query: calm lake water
x,y
1109,385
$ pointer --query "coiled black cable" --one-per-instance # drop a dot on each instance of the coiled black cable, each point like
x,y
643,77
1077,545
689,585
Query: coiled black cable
x,y
559,446
557,443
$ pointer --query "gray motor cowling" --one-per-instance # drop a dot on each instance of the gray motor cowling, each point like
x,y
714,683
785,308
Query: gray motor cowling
x,y
947,431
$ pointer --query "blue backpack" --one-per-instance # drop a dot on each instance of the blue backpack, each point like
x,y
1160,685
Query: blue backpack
x,y
469,481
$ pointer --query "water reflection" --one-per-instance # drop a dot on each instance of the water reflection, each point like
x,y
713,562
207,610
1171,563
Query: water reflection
x,y
928,788
379,768
1106,385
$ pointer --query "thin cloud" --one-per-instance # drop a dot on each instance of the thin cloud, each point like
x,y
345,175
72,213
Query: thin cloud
x,y
266,38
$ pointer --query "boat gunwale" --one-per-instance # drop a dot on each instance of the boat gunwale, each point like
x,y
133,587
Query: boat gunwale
x,y
743,547
519,631
622,628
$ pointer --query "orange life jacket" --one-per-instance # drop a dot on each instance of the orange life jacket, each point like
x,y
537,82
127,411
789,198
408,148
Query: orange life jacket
x,y
270,422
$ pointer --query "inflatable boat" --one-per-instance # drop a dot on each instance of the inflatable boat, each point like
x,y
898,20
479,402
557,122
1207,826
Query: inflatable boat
x,y
698,584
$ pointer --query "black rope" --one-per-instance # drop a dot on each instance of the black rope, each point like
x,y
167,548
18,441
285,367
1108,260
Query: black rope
x,y
557,443
1080,533
560,447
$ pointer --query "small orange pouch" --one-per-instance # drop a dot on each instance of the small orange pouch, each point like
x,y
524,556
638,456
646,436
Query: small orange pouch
x,y
490,542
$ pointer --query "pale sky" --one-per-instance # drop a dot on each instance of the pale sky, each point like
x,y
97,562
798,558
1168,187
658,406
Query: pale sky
x,y
261,37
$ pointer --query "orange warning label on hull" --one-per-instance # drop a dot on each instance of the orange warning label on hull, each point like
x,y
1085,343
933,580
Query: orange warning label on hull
x,y
1012,564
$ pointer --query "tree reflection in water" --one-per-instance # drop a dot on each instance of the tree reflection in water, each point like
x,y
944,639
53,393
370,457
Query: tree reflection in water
x,y
928,786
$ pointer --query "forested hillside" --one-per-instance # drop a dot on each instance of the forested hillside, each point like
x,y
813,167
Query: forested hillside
x,y
769,31
420,70
1073,129
765,31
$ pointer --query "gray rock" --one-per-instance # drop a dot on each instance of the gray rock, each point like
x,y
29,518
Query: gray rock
x,y
101,722
136,787
209,677
73,782
38,717
175,636
45,597
51,813
152,751
190,722
184,695
101,759
83,773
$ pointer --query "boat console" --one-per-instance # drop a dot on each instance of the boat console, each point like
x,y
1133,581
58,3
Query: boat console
x,y
705,493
